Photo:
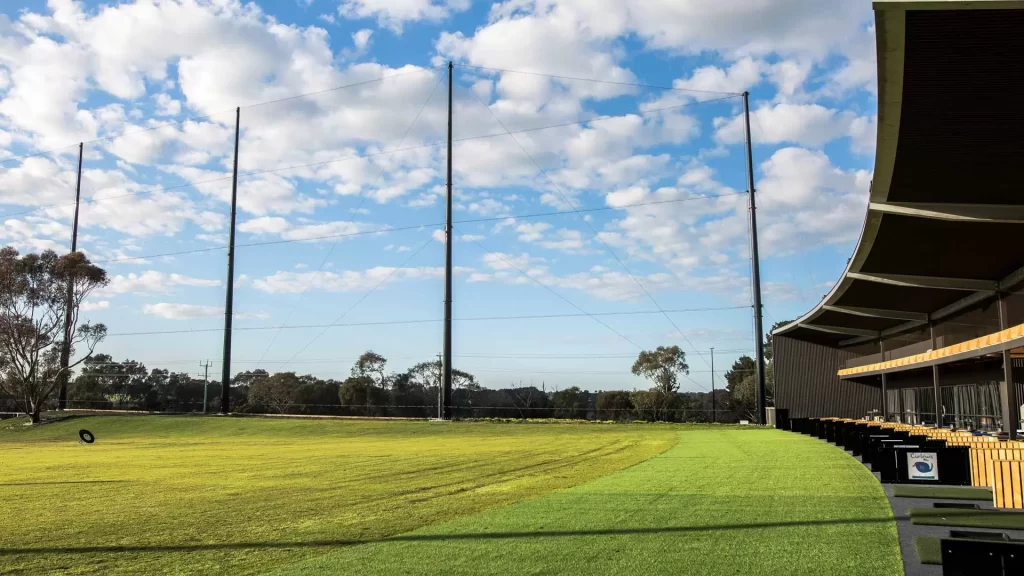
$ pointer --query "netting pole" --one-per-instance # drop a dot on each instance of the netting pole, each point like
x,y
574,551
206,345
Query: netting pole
x,y
225,386
65,348
755,268
447,394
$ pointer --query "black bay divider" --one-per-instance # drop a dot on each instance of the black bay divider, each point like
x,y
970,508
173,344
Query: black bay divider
x,y
887,450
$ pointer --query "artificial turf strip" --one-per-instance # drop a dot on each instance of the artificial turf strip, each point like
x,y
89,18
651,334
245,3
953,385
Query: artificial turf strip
x,y
941,492
215,495
929,549
967,518
752,502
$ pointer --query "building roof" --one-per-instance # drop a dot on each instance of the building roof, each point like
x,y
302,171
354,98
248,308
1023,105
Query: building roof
x,y
945,220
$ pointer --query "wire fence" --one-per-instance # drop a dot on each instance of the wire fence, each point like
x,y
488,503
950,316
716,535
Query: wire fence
x,y
318,175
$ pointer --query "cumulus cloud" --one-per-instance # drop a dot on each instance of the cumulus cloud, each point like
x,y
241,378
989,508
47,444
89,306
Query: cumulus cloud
x,y
152,281
90,306
175,311
804,124
348,280
395,15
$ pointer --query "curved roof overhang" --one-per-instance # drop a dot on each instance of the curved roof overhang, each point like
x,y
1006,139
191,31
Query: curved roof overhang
x,y
944,229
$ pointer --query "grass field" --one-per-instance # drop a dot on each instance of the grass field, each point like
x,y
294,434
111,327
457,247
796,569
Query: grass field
x,y
181,495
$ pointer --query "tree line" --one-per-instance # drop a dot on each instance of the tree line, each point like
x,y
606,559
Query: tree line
x,y
40,296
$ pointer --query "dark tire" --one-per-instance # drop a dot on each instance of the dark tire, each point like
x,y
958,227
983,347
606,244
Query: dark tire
x,y
86,436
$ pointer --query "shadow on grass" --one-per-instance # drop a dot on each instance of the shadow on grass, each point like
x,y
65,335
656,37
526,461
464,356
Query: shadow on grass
x,y
65,482
441,537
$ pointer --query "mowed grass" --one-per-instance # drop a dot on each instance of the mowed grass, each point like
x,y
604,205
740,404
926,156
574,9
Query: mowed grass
x,y
209,495
719,502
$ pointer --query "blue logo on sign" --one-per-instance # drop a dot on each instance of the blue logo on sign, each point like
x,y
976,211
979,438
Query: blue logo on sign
x,y
923,467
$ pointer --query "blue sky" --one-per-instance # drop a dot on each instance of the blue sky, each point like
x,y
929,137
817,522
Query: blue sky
x,y
657,174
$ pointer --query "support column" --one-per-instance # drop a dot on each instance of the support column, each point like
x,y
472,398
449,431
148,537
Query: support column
x,y
935,380
1011,404
885,393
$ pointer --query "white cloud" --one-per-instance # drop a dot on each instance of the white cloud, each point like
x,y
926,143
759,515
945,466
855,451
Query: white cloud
x,y
810,125
90,306
394,14
167,106
152,281
532,232
740,76
347,280
733,27
35,234
274,225
806,201
863,134
173,311
361,39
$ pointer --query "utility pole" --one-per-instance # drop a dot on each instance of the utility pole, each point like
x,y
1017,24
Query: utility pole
x,y
440,377
225,387
206,382
714,417
755,267
65,348
447,375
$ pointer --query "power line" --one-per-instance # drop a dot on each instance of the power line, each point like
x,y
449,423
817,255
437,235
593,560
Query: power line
x,y
418,226
429,321
633,84
594,232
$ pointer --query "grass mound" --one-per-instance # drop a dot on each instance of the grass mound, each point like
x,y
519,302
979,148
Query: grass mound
x,y
967,518
214,495
719,502
941,492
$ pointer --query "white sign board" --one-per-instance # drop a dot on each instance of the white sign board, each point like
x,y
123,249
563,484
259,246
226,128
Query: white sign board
x,y
922,466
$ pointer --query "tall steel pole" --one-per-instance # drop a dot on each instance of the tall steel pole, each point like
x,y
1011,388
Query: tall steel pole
x,y
446,395
755,267
65,349
714,417
225,379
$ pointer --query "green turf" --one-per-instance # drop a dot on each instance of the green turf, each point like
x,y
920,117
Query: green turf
x,y
942,492
929,549
967,518
760,502
214,495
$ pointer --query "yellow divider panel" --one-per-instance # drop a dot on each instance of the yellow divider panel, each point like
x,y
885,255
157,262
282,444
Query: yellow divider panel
x,y
1007,477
